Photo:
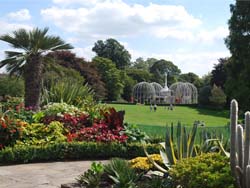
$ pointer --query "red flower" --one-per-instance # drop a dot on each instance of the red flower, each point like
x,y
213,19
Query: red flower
x,y
4,125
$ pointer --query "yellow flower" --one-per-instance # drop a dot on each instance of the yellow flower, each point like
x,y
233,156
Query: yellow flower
x,y
142,163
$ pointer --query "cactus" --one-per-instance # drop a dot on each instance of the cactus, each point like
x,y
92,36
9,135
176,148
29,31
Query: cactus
x,y
239,150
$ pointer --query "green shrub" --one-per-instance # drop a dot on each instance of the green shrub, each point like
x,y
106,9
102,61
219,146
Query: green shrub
x,y
11,86
207,171
41,134
218,98
72,151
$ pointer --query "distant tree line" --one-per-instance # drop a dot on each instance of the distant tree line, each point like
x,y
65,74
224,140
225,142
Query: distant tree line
x,y
112,74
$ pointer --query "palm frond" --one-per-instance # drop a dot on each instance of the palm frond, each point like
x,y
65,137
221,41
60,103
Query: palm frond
x,y
10,54
19,39
52,43
17,67
32,43
7,61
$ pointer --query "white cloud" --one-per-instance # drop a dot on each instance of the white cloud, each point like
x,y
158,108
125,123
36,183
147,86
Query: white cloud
x,y
21,15
86,52
110,18
81,2
7,27
211,36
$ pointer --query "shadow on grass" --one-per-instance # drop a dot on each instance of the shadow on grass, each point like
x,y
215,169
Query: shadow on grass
x,y
212,112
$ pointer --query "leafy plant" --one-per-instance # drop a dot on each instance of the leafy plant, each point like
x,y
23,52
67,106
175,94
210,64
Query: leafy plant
x,y
68,91
134,134
92,177
207,171
184,149
122,175
41,134
73,123
113,118
99,132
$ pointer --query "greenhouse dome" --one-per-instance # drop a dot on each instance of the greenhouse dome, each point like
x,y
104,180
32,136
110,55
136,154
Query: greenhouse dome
x,y
157,88
184,92
144,92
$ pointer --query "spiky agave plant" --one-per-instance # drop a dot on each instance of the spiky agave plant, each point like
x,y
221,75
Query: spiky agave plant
x,y
184,147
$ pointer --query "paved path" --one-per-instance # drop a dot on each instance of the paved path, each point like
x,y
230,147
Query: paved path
x,y
41,175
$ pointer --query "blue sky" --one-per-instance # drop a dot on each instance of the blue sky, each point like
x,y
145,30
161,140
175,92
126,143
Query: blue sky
x,y
190,33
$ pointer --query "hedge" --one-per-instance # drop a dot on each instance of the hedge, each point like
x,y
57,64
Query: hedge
x,y
73,151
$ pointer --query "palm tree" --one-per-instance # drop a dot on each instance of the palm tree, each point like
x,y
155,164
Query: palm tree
x,y
30,58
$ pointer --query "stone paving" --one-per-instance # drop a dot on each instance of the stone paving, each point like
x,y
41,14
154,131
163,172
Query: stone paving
x,y
41,175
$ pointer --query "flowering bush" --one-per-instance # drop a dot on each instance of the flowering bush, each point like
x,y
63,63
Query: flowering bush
x,y
9,103
9,131
58,109
15,107
143,164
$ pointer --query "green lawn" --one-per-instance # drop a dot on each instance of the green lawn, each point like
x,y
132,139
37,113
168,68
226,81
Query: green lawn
x,y
141,115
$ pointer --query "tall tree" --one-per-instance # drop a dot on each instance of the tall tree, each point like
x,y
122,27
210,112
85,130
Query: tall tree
x,y
114,51
219,73
111,76
238,42
159,68
30,61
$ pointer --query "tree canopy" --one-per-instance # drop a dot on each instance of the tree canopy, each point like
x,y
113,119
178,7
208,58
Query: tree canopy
x,y
238,42
160,67
191,78
114,51
87,69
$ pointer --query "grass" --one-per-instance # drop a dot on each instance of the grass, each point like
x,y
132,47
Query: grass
x,y
141,115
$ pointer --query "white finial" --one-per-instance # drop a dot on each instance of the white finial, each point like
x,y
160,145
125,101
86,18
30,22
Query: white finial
x,y
166,80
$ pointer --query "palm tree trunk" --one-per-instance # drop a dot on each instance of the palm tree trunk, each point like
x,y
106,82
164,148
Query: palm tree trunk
x,y
33,82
